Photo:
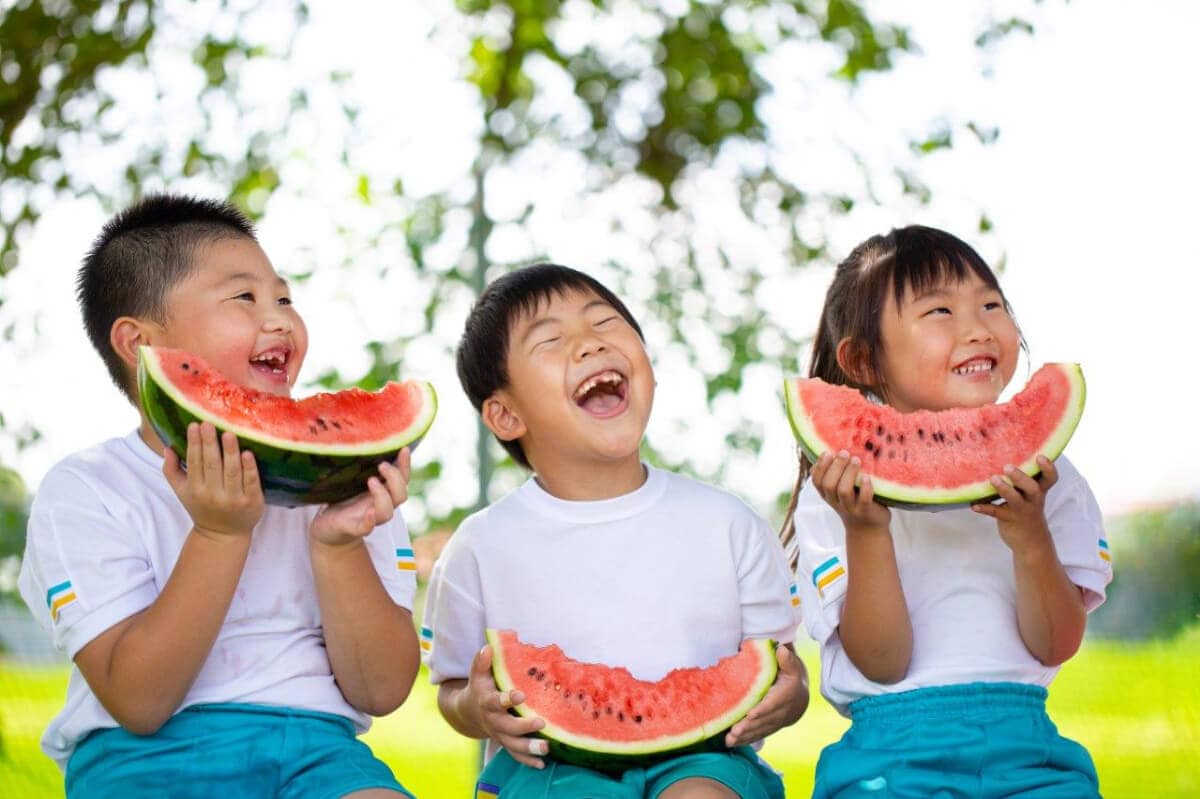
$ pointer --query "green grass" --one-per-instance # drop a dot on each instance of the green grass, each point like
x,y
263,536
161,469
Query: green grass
x,y
1136,706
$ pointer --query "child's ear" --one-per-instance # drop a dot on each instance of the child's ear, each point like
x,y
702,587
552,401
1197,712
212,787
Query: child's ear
x,y
500,417
126,335
855,363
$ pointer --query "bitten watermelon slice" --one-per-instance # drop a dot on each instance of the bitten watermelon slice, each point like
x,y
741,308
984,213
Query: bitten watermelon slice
x,y
602,717
314,450
939,458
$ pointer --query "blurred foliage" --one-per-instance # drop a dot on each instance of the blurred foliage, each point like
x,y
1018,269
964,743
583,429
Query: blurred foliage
x,y
677,98
1155,590
14,516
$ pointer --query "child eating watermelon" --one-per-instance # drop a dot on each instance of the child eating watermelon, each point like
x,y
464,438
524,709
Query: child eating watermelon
x,y
218,644
940,631
614,561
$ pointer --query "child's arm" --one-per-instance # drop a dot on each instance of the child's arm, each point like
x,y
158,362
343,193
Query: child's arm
x,y
142,667
1051,615
782,706
475,708
371,641
875,629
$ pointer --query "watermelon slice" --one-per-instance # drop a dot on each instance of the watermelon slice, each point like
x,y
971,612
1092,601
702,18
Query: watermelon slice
x,y
939,458
602,717
314,450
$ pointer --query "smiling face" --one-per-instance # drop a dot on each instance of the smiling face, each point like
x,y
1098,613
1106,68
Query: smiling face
x,y
236,313
953,346
580,387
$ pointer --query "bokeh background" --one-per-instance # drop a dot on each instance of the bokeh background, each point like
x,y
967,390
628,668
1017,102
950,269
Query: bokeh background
x,y
711,161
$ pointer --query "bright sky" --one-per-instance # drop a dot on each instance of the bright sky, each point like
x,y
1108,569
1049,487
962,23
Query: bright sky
x,y
1091,187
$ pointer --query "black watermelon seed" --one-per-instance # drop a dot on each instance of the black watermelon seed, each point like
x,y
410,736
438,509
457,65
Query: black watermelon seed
x,y
595,715
870,445
920,432
321,423
983,433
185,366
879,430
878,452
335,424
532,671
957,436
312,429
901,438
889,438
541,675
620,716
637,719
579,696
608,710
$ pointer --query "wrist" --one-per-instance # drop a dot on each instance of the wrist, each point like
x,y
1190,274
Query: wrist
x,y
1035,549
347,547
222,536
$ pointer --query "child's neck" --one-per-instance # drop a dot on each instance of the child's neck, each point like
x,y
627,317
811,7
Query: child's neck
x,y
146,431
592,481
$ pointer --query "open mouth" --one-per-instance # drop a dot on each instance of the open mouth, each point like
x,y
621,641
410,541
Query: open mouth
x,y
272,364
975,366
603,394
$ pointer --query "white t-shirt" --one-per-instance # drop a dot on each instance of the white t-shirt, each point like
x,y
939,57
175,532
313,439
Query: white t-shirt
x,y
958,582
674,574
104,533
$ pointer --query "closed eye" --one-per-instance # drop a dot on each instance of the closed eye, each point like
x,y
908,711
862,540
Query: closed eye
x,y
245,295
941,309
605,321
993,306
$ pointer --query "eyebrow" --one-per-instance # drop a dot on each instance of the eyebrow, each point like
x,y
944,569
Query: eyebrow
x,y
549,320
253,278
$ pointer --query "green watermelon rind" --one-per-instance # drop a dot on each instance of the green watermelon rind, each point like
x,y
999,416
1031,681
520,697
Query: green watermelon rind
x,y
290,474
903,495
606,755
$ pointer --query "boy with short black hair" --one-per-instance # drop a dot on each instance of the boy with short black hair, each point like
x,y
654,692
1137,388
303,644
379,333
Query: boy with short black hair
x,y
615,561
220,646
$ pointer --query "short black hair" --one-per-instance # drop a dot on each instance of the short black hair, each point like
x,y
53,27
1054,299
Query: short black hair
x,y
139,256
482,356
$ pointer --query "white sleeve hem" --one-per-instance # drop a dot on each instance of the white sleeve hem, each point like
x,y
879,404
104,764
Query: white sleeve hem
x,y
84,630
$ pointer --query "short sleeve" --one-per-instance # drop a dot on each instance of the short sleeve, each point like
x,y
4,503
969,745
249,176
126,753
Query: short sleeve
x,y
1077,526
766,590
84,570
453,624
392,556
821,564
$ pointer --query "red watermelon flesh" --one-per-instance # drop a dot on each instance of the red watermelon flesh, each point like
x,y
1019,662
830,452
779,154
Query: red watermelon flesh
x,y
604,717
939,457
314,450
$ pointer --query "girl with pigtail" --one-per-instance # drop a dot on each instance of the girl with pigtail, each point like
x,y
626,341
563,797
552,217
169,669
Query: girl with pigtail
x,y
939,632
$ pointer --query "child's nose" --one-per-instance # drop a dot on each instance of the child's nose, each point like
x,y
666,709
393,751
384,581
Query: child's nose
x,y
589,345
277,320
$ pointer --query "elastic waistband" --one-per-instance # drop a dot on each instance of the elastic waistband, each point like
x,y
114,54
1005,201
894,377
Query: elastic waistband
x,y
949,700
277,711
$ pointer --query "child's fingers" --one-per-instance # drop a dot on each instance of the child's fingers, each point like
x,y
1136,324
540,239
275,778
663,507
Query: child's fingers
x,y
1049,475
404,464
866,491
1023,483
833,474
987,509
195,452
212,454
231,463
846,483
251,485
523,749
1005,490
381,505
396,481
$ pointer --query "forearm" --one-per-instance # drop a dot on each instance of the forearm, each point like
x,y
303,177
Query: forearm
x,y
371,641
1050,612
142,669
456,710
875,628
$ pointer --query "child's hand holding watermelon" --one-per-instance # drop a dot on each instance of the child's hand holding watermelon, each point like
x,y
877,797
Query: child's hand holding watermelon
x,y
782,705
348,521
482,711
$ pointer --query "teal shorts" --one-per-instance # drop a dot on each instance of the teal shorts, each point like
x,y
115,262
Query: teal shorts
x,y
229,750
740,769
977,740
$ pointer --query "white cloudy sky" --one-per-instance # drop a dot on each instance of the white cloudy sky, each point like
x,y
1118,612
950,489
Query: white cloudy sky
x,y
1091,186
